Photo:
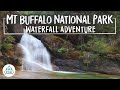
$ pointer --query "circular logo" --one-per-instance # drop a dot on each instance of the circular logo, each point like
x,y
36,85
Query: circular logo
x,y
8,70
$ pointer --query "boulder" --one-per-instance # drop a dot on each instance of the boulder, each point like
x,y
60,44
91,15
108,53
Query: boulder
x,y
105,66
75,38
100,66
60,47
68,65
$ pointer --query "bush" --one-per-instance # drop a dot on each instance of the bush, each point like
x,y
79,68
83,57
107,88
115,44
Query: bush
x,y
99,46
7,43
82,47
9,39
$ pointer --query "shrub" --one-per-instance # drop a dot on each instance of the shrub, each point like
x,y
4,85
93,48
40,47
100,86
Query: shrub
x,y
7,43
99,46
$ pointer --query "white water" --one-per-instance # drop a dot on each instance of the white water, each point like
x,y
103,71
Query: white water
x,y
36,57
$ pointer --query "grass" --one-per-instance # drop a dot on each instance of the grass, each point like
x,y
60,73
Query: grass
x,y
85,76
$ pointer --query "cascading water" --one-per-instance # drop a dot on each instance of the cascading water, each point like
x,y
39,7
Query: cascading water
x,y
35,54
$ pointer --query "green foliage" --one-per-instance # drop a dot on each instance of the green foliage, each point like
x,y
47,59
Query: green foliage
x,y
116,14
3,12
9,39
82,47
25,12
99,45
62,50
36,12
7,46
44,12
7,43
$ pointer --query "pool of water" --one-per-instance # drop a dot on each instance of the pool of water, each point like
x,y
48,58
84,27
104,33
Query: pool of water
x,y
59,75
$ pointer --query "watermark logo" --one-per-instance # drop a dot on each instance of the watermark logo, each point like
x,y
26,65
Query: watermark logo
x,y
8,70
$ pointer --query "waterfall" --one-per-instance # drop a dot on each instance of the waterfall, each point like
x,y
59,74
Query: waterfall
x,y
35,55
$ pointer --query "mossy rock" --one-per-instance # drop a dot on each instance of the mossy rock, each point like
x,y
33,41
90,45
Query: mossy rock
x,y
61,47
73,54
56,42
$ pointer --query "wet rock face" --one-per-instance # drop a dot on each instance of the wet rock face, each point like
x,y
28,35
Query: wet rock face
x,y
69,65
101,66
56,42
55,68
105,66
60,47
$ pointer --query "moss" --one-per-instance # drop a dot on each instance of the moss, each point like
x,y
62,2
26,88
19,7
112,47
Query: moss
x,y
56,43
73,54
61,47
62,50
